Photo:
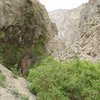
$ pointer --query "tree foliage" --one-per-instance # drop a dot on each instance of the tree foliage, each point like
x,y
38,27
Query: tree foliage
x,y
73,80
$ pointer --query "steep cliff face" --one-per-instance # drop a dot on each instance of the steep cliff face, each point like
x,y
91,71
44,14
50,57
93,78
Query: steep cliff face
x,y
24,16
22,22
67,22
87,28
90,31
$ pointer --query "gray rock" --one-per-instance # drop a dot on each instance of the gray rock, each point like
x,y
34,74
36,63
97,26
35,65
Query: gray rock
x,y
78,31
22,22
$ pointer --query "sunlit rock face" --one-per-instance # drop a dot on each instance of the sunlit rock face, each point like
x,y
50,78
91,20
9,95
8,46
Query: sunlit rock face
x,y
67,22
90,31
81,30
22,22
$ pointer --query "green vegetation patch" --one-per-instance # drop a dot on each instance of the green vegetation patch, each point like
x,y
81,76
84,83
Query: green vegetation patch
x,y
1,58
74,80
38,50
2,79
19,95
24,97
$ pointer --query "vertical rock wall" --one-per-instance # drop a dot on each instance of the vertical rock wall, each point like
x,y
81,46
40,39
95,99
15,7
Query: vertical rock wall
x,y
22,22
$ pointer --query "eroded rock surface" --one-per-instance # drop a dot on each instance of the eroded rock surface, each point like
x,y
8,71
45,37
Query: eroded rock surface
x,y
84,31
22,22
90,31
15,88
67,22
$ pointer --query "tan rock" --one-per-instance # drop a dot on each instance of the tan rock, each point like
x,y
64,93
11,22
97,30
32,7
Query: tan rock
x,y
14,87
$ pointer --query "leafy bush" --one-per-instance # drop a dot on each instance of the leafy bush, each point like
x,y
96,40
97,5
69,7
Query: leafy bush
x,y
74,80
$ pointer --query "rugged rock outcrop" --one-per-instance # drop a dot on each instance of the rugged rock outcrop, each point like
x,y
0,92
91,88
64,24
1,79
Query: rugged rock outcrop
x,y
67,22
14,88
87,46
90,31
22,22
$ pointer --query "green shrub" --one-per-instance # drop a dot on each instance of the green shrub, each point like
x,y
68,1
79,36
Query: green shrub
x,y
19,95
1,56
24,97
1,59
2,79
15,93
74,80
13,56
38,50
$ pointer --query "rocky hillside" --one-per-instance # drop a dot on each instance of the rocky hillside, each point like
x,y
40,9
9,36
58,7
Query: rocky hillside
x,y
22,22
14,88
78,32
90,31
67,22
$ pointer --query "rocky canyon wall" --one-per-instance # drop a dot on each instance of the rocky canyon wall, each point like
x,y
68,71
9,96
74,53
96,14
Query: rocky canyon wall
x,y
22,22
81,31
